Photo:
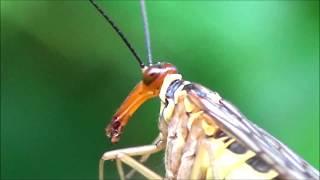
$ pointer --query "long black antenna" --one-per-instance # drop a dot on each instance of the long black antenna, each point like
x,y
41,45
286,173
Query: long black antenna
x,y
114,26
146,30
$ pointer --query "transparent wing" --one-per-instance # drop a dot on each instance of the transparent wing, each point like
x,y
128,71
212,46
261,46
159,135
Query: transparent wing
x,y
229,119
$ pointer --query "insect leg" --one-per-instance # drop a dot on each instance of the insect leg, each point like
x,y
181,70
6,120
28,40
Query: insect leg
x,y
159,142
120,169
123,155
139,167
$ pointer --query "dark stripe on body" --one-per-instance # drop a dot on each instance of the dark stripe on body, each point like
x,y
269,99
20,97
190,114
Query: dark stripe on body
x,y
258,164
237,148
172,88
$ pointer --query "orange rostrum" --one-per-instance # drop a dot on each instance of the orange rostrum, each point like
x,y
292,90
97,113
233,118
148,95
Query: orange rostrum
x,y
148,88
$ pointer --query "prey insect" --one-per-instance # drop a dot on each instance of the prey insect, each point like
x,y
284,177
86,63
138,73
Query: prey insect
x,y
203,135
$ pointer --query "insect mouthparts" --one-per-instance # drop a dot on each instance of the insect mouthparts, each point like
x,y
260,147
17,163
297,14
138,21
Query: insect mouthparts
x,y
114,129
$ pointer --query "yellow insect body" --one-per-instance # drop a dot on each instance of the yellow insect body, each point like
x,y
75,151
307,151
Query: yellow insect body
x,y
192,152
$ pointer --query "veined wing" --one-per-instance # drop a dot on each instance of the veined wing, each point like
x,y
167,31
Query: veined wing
x,y
231,121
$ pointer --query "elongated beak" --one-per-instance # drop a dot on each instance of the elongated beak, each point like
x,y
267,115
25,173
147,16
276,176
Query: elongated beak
x,y
136,98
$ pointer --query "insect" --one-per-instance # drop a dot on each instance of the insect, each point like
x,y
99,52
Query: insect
x,y
203,135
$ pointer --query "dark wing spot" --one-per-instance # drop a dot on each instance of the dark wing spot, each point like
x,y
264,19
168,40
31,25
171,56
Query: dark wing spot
x,y
237,148
219,134
188,87
258,164
227,139
196,89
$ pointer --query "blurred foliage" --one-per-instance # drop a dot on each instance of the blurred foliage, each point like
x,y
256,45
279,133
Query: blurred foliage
x,y
64,73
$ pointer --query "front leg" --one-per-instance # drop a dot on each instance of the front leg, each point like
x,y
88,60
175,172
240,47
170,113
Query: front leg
x,y
125,156
159,142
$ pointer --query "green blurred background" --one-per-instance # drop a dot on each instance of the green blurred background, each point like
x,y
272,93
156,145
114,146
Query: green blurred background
x,y
64,73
